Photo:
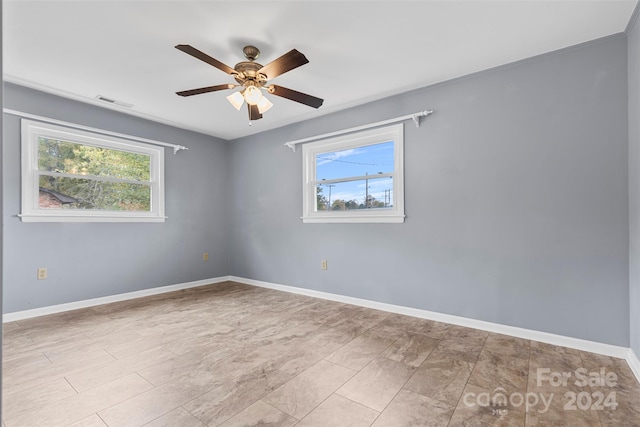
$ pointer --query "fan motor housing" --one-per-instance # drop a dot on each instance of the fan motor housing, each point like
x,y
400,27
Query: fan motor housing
x,y
248,70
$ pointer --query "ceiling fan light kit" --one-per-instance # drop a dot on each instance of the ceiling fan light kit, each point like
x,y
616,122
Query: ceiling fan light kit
x,y
252,95
253,77
236,99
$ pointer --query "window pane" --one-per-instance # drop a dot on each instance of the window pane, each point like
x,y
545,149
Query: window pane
x,y
68,157
75,193
365,160
355,195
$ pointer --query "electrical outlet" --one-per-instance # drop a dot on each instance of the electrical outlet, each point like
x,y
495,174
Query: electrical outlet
x,y
323,264
205,256
42,273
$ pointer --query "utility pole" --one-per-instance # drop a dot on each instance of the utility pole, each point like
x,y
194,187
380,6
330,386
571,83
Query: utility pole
x,y
366,197
329,204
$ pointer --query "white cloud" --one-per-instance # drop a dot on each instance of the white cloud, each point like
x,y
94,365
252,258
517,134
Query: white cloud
x,y
330,157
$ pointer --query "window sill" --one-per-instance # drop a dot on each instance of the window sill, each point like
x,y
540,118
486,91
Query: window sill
x,y
364,219
88,218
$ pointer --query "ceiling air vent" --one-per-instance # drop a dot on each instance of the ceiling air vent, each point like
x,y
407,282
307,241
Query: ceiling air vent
x,y
113,101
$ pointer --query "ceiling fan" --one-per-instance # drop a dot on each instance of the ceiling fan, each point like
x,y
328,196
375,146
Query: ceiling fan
x,y
253,77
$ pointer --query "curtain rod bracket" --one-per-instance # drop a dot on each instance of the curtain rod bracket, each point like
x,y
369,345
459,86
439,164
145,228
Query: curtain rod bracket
x,y
416,116
292,146
178,148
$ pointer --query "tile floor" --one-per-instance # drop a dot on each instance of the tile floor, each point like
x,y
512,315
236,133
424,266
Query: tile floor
x,y
235,355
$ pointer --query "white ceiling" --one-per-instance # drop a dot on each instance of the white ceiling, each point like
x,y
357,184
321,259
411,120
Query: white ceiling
x,y
359,51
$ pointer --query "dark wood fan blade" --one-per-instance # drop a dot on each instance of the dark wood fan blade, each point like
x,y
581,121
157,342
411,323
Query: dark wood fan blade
x,y
254,114
205,90
287,62
206,58
294,95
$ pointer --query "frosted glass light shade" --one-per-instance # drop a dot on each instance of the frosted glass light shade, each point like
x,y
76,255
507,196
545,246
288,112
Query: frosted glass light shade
x,y
252,95
264,105
236,99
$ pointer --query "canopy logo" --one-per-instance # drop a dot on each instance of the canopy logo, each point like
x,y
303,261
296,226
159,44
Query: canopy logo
x,y
546,379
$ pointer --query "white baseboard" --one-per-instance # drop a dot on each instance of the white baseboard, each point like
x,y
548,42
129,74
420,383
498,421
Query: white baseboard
x,y
560,340
634,363
43,311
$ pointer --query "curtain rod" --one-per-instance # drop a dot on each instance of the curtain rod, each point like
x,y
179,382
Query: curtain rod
x,y
175,147
415,117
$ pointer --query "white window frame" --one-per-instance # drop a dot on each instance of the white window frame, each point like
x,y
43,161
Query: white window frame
x,y
31,212
394,214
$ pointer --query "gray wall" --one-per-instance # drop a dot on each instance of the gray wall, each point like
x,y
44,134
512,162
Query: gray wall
x,y
89,260
633,46
516,201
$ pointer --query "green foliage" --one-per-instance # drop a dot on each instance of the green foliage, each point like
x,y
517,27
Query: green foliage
x,y
321,200
345,205
88,163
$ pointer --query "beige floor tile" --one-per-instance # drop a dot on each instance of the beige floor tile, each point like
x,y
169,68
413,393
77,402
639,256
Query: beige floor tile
x,y
339,411
18,343
34,361
10,326
23,345
430,327
394,324
91,421
409,409
377,384
358,353
411,349
25,377
465,340
349,326
626,412
558,417
47,334
441,379
138,345
69,353
146,407
111,336
595,363
469,333
221,334
335,337
508,346
36,397
296,360
218,405
260,414
494,370
82,405
556,361
110,371
302,394
179,417
543,352
202,363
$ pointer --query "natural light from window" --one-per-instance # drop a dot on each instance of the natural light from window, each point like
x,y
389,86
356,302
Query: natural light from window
x,y
355,178
72,175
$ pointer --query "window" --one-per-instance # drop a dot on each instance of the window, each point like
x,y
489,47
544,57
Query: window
x,y
355,178
70,175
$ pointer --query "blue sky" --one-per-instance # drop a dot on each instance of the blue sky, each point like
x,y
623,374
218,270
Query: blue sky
x,y
367,160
